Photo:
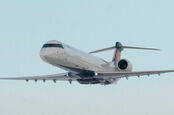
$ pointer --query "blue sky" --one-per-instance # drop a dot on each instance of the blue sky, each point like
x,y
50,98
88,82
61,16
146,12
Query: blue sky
x,y
88,25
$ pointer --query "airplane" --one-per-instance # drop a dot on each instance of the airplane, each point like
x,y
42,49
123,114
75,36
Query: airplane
x,y
86,68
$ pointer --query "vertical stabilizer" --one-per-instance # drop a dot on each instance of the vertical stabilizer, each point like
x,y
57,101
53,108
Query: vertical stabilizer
x,y
117,53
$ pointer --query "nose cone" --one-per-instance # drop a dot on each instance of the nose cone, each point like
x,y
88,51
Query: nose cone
x,y
48,54
44,54
50,49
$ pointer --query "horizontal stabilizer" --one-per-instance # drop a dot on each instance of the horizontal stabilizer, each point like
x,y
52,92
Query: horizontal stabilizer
x,y
120,46
129,47
101,50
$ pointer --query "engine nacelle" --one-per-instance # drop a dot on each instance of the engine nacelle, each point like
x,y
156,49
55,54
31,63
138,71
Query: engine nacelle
x,y
125,65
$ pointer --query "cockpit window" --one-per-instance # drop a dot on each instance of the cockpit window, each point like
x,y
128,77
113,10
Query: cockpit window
x,y
53,46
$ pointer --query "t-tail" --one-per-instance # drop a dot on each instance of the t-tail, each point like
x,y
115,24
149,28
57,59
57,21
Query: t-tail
x,y
118,49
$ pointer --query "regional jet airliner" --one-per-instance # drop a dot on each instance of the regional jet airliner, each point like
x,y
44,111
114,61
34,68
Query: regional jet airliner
x,y
86,68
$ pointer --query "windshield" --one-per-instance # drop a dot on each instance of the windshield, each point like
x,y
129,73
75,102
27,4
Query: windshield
x,y
53,46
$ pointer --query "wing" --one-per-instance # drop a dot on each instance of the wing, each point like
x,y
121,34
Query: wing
x,y
55,77
129,74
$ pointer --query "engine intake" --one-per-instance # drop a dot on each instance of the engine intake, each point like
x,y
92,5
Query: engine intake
x,y
125,65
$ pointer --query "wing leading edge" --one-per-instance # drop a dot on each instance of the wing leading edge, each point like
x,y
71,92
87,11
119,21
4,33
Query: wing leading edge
x,y
130,74
54,77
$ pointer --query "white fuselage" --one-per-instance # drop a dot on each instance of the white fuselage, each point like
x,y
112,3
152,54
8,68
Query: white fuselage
x,y
73,60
